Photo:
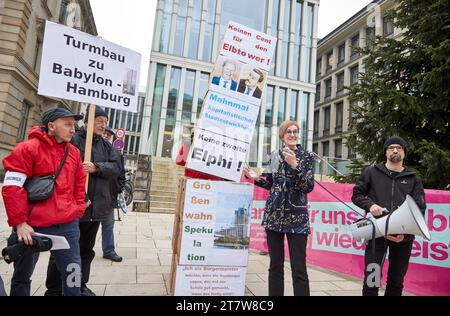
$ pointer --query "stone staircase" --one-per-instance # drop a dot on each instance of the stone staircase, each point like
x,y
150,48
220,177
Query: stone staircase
x,y
164,185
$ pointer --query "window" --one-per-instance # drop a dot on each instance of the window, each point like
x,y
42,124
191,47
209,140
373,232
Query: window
x,y
250,13
297,41
326,120
316,123
188,96
316,148
63,11
351,154
338,148
274,28
209,30
293,108
354,71
340,82
180,28
306,60
156,108
281,106
165,26
370,35
269,106
341,54
318,92
326,149
22,132
204,83
195,29
388,26
303,119
319,68
354,45
328,88
329,61
339,117
285,39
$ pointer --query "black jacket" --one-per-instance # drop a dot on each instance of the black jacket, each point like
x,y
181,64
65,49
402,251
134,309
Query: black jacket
x,y
119,183
376,185
101,190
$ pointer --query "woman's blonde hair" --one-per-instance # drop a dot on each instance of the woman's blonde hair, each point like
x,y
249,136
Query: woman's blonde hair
x,y
284,126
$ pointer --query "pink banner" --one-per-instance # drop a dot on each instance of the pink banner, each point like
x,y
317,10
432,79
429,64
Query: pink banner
x,y
331,245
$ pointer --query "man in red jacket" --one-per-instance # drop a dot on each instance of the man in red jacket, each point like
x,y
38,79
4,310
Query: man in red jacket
x,y
58,215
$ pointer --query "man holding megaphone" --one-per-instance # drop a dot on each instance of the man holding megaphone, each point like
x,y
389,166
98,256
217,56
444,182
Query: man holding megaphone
x,y
386,186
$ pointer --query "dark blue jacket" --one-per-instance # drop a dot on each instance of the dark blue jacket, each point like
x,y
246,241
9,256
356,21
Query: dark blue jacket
x,y
286,206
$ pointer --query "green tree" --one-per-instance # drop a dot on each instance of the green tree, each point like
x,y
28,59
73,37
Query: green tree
x,y
405,91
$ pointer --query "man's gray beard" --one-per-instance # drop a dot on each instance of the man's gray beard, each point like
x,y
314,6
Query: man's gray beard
x,y
395,159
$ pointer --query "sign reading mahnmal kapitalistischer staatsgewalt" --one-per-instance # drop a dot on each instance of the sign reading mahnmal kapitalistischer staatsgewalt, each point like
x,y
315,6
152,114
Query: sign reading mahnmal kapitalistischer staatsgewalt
x,y
80,67
230,110
215,235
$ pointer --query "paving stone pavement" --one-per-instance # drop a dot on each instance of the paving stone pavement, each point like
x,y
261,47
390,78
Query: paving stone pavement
x,y
144,242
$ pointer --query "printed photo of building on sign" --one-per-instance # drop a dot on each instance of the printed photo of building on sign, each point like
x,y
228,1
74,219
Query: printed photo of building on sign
x,y
232,229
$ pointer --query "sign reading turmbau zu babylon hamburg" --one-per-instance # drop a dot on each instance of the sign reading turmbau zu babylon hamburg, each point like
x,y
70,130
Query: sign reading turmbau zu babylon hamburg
x,y
80,67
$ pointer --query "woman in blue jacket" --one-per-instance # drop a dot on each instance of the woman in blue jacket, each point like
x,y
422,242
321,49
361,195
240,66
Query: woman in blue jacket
x,y
289,178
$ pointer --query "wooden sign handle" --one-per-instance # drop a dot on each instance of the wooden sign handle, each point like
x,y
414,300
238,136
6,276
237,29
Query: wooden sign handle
x,y
89,136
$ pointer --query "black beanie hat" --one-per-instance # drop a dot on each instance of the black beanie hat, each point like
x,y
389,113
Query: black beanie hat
x,y
98,112
396,140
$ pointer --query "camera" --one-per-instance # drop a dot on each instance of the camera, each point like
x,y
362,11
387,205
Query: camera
x,y
15,249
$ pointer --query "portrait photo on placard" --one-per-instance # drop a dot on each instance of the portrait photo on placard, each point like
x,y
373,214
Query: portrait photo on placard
x,y
225,76
252,82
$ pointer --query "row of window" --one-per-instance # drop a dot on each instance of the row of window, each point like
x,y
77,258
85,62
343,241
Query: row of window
x,y
131,122
340,83
292,105
339,110
388,29
326,149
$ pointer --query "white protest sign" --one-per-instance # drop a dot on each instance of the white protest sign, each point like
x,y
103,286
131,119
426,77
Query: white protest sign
x,y
223,136
216,223
227,122
248,46
80,67
210,281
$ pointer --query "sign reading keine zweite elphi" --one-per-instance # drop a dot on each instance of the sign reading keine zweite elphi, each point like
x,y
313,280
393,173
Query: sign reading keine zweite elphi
x,y
80,67
225,130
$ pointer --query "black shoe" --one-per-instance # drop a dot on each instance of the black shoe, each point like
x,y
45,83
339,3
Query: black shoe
x,y
85,291
113,257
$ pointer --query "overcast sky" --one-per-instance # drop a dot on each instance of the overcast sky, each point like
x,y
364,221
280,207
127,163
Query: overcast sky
x,y
130,23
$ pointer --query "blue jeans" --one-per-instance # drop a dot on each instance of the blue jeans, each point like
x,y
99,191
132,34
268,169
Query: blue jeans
x,y
68,262
2,288
108,235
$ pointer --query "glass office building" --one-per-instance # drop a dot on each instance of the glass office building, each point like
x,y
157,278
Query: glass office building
x,y
188,35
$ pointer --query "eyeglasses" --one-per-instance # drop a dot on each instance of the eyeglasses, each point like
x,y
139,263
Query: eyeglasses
x,y
289,132
391,148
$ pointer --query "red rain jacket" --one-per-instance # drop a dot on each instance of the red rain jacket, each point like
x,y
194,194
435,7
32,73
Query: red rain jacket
x,y
41,156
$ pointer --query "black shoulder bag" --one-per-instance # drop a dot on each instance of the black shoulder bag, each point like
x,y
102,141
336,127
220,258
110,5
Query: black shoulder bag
x,y
41,188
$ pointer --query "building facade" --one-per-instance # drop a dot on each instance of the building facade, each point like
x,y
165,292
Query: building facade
x,y
188,35
338,66
131,122
22,25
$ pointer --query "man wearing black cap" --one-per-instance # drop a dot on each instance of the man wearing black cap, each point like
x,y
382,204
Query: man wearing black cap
x,y
385,186
103,169
59,214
